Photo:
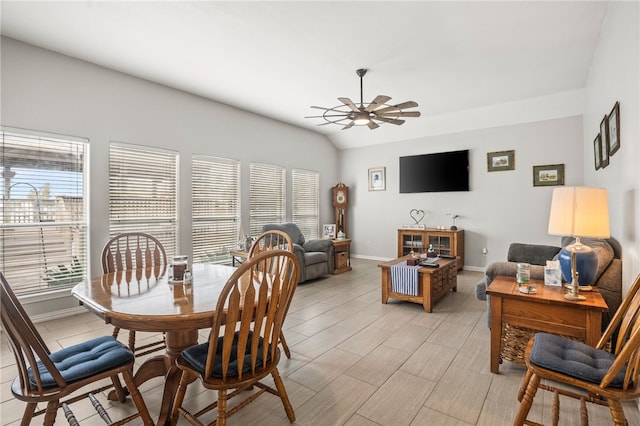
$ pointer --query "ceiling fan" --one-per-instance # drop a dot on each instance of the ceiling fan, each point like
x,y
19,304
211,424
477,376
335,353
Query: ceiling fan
x,y
367,113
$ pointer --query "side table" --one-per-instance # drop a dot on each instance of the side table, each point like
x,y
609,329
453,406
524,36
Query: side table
x,y
546,311
341,255
238,256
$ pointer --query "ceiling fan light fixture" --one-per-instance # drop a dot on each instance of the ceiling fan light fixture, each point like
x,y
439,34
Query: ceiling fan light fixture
x,y
361,119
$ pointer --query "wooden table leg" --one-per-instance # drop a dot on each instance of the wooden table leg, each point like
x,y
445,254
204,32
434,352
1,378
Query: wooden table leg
x,y
177,341
164,365
386,280
496,332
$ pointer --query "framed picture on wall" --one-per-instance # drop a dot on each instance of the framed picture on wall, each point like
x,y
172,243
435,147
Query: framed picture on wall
x,y
500,160
377,179
604,145
549,175
614,129
597,149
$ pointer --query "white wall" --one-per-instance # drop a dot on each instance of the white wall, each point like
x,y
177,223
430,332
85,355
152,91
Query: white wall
x,y
615,76
502,207
45,91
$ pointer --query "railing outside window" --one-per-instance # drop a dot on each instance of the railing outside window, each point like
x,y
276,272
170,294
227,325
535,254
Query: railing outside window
x,y
44,210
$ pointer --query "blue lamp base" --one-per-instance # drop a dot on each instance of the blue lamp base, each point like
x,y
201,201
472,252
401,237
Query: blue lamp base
x,y
586,264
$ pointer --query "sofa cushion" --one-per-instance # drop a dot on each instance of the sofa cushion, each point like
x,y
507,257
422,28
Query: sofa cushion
x,y
535,254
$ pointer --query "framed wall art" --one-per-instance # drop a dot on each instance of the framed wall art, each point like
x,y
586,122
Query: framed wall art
x,y
329,230
604,144
377,179
549,175
614,129
597,150
500,160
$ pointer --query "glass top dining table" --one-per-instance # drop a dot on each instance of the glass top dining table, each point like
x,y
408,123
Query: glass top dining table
x,y
146,300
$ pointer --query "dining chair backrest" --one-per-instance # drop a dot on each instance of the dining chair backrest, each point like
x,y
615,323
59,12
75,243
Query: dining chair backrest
x,y
250,312
624,332
27,344
271,240
134,251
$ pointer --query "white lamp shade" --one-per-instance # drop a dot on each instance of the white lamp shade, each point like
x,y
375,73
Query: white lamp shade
x,y
579,212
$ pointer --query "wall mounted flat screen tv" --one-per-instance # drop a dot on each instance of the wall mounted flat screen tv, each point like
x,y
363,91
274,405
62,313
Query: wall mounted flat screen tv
x,y
439,172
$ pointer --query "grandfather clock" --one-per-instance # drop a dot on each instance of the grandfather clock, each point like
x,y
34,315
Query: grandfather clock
x,y
340,200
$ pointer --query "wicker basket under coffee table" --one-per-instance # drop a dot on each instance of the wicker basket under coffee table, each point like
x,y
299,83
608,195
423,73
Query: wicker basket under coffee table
x,y
515,317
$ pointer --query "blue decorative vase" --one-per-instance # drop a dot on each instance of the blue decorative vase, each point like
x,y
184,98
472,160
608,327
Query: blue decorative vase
x,y
586,265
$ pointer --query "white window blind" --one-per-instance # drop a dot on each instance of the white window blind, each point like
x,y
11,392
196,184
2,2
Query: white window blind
x,y
143,193
44,210
305,204
215,207
267,187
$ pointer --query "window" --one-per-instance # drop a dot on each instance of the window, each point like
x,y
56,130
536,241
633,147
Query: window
x,y
215,207
266,196
305,208
44,210
143,193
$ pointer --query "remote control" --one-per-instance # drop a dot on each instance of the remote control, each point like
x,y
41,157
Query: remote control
x,y
447,256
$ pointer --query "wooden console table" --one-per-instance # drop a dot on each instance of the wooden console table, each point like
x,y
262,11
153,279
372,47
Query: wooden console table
x,y
433,283
546,311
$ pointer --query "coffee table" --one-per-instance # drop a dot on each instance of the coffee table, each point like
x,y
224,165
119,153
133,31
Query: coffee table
x,y
547,311
433,283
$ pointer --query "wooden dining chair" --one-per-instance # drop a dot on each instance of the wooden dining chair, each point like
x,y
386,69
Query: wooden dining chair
x,y
273,240
135,251
242,347
51,377
597,375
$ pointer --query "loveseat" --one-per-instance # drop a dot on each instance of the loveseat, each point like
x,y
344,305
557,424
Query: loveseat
x,y
315,256
608,277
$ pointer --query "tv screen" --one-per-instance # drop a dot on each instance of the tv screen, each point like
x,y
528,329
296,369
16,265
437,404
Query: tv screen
x,y
440,172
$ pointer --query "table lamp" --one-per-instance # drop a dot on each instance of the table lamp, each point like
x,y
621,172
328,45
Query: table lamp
x,y
579,212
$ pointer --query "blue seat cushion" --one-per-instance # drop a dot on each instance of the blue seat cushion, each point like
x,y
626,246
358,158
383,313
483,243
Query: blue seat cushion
x,y
574,359
197,357
84,360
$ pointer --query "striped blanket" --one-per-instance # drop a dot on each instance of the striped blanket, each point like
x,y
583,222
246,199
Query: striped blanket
x,y
404,279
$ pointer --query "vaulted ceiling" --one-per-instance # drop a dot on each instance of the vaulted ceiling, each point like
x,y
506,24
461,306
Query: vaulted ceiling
x,y
279,58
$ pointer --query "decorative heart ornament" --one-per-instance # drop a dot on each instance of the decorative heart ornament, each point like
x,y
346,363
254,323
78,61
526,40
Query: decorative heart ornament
x,y
417,215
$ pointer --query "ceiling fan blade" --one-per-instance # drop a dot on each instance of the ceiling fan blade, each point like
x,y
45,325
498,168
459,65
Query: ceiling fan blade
x,y
348,126
372,125
390,120
318,107
404,105
399,114
348,102
379,100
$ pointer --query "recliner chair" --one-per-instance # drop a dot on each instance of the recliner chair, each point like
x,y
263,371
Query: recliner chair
x,y
315,256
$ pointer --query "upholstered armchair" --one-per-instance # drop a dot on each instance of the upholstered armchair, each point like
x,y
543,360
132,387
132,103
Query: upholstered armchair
x,y
315,256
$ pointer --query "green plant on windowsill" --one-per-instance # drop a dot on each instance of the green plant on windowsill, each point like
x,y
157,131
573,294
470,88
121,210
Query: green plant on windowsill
x,y
65,275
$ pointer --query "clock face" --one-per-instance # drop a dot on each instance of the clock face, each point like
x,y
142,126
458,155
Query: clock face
x,y
340,197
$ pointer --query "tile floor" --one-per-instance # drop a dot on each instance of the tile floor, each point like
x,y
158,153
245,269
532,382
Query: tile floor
x,y
355,362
